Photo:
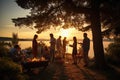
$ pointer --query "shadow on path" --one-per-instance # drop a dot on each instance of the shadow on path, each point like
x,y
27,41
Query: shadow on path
x,y
87,75
68,71
54,71
111,73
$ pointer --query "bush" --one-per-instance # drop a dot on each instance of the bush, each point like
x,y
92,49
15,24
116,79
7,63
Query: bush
x,y
3,51
4,48
113,51
10,70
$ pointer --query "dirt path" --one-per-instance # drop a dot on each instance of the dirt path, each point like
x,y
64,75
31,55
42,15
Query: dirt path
x,y
78,72
68,71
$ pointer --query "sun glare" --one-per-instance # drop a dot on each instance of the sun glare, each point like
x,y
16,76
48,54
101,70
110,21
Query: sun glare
x,y
64,32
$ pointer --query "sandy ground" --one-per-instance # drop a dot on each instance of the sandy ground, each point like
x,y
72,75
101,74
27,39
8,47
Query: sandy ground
x,y
65,70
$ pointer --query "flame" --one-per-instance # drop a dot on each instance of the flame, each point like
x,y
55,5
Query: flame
x,y
35,59
42,59
38,59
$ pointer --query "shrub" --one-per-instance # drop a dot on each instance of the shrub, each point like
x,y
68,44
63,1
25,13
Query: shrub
x,y
10,70
3,51
4,48
113,51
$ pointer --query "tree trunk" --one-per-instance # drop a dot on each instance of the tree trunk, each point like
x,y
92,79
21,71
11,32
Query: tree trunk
x,y
97,36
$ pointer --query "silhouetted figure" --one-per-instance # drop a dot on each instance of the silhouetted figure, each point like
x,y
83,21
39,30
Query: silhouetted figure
x,y
85,46
74,51
65,42
35,46
15,53
52,47
59,46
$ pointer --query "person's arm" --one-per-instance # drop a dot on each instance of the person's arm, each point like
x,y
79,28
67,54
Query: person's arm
x,y
71,45
80,43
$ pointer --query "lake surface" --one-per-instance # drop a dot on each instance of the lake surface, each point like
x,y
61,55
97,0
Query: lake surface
x,y
26,44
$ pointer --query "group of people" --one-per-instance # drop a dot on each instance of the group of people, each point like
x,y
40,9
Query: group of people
x,y
61,48
54,44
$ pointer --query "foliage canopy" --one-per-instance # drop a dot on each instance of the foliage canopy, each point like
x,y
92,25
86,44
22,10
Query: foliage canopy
x,y
45,14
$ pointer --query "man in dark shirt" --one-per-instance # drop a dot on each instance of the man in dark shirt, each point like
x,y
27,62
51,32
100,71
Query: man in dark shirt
x,y
52,47
85,46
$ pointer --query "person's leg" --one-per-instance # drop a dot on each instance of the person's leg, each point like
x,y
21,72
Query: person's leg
x,y
51,55
85,58
63,53
75,59
59,50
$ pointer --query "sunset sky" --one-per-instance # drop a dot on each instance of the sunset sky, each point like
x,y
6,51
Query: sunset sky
x,y
9,9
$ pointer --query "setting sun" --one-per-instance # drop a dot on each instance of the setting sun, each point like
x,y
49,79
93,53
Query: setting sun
x,y
64,32
69,33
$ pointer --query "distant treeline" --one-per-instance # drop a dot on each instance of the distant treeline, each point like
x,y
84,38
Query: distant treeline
x,y
9,39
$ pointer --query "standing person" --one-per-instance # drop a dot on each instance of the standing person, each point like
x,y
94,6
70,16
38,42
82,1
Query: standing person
x,y
59,45
85,46
52,47
35,46
74,51
64,46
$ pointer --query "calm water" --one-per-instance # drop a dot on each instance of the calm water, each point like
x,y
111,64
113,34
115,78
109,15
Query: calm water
x,y
26,44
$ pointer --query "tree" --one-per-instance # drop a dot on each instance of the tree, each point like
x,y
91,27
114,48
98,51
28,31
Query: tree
x,y
70,13
111,20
